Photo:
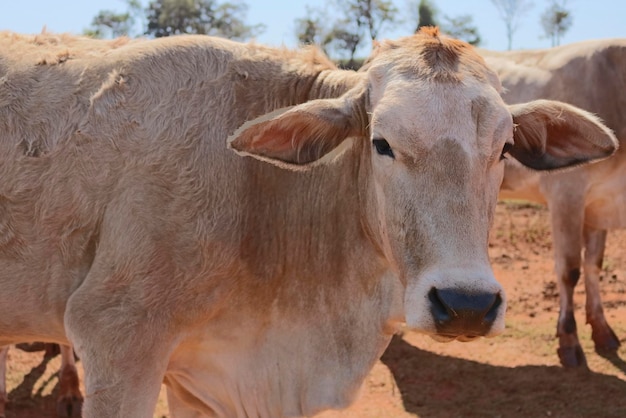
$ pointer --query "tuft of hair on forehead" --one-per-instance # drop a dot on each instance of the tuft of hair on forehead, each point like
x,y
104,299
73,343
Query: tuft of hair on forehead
x,y
431,54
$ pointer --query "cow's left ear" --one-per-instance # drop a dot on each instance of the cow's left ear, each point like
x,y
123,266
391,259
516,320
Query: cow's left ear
x,y
550,134
301,135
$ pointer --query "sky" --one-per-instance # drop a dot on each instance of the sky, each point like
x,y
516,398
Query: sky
x,y
592,19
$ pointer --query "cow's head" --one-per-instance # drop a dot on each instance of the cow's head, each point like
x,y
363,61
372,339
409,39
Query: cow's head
x,y
433,132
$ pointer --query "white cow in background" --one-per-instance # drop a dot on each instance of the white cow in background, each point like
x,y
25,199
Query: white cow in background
x,y
586,202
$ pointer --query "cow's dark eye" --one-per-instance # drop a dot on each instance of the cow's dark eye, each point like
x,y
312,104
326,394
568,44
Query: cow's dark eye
x,y
507,147
382,147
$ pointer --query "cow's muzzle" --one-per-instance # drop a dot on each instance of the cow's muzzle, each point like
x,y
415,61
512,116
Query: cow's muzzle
x,y
461,315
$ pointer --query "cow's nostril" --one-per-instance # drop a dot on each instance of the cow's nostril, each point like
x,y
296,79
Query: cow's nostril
x,y
492,313
438,307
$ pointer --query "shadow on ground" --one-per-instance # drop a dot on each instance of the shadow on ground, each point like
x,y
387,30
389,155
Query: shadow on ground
x,y
439,386
27,399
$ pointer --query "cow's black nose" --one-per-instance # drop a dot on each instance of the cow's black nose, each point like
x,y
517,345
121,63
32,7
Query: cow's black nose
x,y
462,314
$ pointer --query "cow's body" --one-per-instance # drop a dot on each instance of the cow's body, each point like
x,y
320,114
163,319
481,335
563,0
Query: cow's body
x,y
586,202
253,289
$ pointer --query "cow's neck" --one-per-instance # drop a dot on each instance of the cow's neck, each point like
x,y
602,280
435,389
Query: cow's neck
x,y
333,83
315,304
310,229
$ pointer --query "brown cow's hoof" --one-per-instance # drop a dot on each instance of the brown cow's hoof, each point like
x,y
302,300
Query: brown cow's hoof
x,y
572,357
69,407
605,340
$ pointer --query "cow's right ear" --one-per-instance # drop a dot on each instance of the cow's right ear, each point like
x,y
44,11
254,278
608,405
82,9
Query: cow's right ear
x,y
550,134
303,134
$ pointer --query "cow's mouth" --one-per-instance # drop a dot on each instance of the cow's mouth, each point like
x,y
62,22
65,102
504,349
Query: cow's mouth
x,y
443,338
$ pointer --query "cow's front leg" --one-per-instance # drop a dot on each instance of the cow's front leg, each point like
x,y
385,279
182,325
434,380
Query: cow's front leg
x,y
567,236
124,351
603,336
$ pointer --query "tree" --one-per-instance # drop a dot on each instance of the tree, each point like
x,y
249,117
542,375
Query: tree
x,y
170,17
461,27
109,24
360,19
426,13
228,22
371,16
345,37
556,20
511,11
311,30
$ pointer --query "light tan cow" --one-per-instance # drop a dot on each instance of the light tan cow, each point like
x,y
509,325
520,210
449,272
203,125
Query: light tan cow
x,y
69,399
586,202
266,279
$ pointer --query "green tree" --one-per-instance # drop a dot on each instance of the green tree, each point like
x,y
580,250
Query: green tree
x,y
511,12
378,14
370,15
345,38
461,27
426,13
556,20
360,20
311,30
171,17
109,24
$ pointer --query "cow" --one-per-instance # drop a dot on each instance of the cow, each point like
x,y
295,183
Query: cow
x,y
586,202
69,398
251,225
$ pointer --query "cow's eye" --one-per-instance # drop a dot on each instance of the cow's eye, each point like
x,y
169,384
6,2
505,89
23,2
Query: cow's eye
x,y
507,147
382,147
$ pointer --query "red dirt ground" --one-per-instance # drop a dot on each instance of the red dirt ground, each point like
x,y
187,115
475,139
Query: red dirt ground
x,y
516,374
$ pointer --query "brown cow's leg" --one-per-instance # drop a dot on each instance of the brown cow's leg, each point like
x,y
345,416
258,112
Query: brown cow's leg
x,y
3,379
124,350
603,336
69,401
567,231
122,377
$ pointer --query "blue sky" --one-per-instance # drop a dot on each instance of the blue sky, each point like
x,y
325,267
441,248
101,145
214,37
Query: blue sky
x,y
592,18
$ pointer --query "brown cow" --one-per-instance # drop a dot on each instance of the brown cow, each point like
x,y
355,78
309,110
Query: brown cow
x,y
264,286
69,398
586,202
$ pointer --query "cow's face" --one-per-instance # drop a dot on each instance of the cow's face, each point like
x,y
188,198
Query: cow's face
x,y
437,152
434,131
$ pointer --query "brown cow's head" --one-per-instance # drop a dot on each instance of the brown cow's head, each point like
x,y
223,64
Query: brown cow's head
x,y
438,132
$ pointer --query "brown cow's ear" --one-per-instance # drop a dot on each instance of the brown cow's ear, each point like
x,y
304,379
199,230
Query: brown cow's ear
x,y
301,135
550,134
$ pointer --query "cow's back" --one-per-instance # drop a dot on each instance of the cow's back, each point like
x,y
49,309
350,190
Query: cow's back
x,y
592,76
119,148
